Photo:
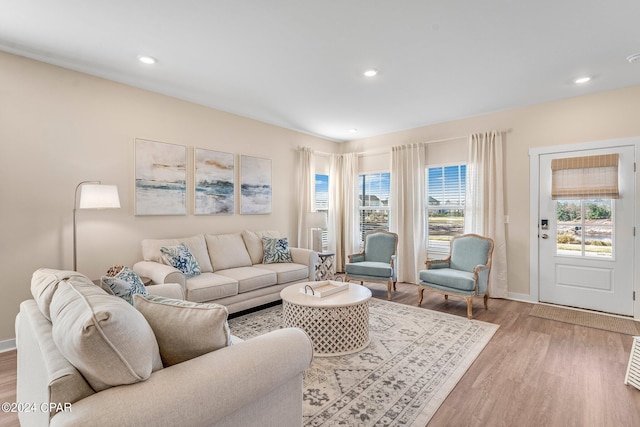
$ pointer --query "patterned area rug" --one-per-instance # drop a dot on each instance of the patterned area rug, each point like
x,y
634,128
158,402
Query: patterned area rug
x,y
585,318
416,357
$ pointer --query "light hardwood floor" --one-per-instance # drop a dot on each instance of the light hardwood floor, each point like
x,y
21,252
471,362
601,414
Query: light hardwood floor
x,y
534,372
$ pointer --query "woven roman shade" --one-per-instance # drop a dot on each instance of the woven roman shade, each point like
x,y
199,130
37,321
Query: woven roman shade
x,y
591,177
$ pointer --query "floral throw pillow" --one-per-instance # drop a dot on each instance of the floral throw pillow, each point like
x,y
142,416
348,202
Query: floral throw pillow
x,y
124,284
181,258
275,250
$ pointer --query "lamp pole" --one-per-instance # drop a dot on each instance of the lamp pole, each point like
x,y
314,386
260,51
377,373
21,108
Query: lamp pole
x,y
75,208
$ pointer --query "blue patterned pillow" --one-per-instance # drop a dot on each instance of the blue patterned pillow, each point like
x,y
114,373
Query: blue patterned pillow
x,y
275,250
125,284
181,258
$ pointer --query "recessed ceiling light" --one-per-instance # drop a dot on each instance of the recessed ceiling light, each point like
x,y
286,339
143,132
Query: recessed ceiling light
x,y
634,58
145,59
582,80
353,130
370,73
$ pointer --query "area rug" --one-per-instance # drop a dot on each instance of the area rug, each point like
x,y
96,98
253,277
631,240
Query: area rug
x,y
416,357
585,318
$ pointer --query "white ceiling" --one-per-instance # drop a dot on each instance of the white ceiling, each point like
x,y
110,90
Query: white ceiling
x,y
299,63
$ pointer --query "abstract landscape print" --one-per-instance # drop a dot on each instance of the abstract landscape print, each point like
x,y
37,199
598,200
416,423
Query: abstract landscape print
x,y
161,178
255,188
214,182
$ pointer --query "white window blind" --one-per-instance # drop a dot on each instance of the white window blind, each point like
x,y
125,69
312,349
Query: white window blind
x,y
590,177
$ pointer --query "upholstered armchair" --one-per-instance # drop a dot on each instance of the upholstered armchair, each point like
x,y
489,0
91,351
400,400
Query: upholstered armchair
x,y
464,273
376,262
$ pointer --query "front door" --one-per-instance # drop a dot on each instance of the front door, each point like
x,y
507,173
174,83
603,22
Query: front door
x,y
586,247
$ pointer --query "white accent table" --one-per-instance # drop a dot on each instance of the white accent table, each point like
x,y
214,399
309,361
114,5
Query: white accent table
x,y
337,324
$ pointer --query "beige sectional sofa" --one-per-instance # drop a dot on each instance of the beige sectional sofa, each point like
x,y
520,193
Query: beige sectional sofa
x,y
232,270
118,379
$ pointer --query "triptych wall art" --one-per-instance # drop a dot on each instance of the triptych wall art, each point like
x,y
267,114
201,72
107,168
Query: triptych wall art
x,y
161,181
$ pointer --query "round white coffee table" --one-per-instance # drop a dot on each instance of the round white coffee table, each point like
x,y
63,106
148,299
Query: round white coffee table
x,y
337,324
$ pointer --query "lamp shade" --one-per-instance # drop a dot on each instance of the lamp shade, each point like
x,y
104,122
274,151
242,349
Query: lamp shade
x,y
98,196
316,220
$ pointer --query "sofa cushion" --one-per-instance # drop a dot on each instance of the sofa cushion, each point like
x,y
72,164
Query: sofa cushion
x,y
196,244
180,257
253,242
210,286
124,284
227,251
250,278
288,272
276,250
106,339
184,329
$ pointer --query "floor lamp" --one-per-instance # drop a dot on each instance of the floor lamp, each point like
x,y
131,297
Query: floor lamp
x,y
316,221
93,195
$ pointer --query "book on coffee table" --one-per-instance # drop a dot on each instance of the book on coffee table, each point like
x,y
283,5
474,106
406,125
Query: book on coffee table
x,y
323,288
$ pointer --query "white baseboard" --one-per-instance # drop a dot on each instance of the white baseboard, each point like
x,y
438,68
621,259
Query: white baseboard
x,y
521,297
7,345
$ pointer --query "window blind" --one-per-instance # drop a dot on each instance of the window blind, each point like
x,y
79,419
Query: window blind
x,y
590,177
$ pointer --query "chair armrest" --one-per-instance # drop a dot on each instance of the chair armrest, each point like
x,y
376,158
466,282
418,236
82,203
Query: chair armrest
x,y
203,390
432,264
167,290
356,257
159,273
481,272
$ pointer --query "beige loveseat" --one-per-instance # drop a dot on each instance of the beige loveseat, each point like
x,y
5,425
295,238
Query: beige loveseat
x,y
232,270
257,382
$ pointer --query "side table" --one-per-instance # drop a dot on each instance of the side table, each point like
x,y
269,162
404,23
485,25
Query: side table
x,y
324,267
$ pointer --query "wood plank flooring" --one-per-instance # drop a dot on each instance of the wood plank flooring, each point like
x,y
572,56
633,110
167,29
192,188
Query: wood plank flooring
x,y
534,372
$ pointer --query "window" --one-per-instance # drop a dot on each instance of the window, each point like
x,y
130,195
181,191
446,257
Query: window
x,y
585,227
446,186
373,195
322,201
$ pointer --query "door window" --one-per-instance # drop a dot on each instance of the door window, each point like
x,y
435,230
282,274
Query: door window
x,y
585,228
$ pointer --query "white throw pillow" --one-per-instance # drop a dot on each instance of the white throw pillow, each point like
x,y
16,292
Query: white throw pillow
x,y
105,338
184,329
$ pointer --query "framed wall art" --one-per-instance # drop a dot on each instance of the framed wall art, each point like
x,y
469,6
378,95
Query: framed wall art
x,y
214,182
160,178
255,185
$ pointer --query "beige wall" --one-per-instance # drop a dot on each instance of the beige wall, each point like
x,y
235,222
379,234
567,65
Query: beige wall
x,y
606,115
59,127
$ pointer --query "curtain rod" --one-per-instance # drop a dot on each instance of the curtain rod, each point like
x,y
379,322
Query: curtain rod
x,y
386,150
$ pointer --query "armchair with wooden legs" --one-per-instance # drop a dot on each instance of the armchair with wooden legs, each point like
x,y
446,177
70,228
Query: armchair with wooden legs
x,y
376,262
465,273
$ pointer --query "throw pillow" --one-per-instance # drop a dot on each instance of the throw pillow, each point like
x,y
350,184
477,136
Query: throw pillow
x,y
181,258
124,284
184,329
106,339
276,250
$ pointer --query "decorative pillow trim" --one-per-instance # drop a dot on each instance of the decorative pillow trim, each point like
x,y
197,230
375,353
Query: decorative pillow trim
x,y
180,257
276,250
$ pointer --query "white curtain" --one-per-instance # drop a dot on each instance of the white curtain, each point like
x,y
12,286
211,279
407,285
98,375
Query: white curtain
x,y
408,164
484,205
306,194
343,207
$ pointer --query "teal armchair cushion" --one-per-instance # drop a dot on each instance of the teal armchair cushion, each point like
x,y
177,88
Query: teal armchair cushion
x,y
380,247
468,252
370,268
449,278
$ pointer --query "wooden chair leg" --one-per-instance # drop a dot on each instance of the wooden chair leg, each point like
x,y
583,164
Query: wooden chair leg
x,y
420,295
389,291
446,297
486,297
394,286
469,307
